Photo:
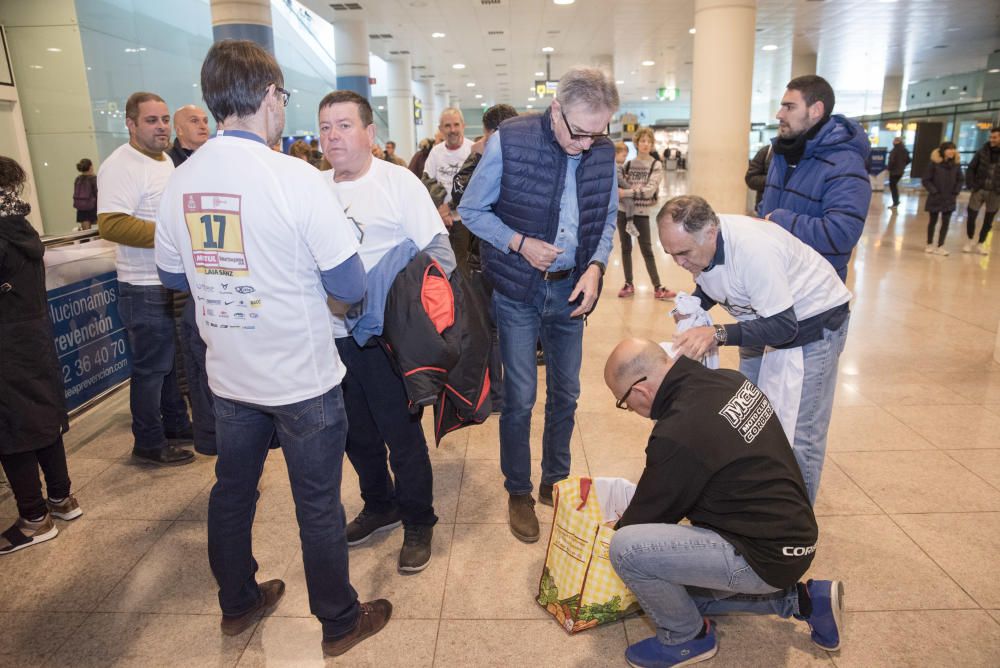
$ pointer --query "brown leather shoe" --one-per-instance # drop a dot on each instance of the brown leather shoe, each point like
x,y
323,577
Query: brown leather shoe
x,y
373,617
523,523
270,593
545,494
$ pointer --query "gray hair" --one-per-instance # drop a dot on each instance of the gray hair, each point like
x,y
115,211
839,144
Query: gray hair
x,y
589,87
452,110
691,211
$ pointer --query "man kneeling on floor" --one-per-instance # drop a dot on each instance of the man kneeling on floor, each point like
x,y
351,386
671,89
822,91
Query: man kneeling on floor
x,y
719,457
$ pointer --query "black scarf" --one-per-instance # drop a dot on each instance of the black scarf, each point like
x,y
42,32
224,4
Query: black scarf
x,y
12,205
793,148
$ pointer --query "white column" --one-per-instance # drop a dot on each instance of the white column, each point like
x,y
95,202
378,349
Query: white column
x,y
892,93
351,52
720,101
425,92
400,103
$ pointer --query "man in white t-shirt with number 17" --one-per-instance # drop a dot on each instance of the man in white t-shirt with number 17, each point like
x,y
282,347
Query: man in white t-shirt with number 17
x,y
388,206
443,163
261,241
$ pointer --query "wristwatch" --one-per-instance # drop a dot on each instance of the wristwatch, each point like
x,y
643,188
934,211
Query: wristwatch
x,y
720,335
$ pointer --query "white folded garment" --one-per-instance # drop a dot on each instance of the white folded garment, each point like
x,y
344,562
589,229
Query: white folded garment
x,y
690,306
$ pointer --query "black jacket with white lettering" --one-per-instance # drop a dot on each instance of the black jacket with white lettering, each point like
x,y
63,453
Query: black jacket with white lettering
x,y
719,457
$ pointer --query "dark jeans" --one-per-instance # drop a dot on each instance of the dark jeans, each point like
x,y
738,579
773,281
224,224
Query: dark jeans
x,y
945,220
645,247
970,224
894,188
377,416
312,435
202,410
22,473
157,407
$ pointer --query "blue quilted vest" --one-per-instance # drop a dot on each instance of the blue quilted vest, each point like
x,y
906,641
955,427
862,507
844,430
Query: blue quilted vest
x,y
531,186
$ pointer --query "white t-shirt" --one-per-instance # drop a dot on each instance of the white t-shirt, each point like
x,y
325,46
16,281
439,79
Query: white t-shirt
x,y
443,163
766,271
130,182
386,206
262,226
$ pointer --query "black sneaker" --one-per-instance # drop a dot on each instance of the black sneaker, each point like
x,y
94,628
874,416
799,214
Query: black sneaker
x,y
416,552
367,523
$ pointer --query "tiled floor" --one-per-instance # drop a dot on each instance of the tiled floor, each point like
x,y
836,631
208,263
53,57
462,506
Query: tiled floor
x,y
909,512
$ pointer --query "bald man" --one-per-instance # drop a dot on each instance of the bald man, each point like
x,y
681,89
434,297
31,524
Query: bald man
x,y
191,127
718,457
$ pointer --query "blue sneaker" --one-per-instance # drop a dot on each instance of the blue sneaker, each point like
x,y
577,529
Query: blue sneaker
x,y
826,620
651,653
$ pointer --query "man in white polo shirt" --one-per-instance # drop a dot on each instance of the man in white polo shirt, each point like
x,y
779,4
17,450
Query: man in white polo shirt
x,y
389,207
443,163
261,241
792,313
129,185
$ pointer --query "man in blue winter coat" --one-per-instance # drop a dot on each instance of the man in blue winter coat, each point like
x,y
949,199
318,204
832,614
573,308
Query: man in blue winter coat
x,y
817,187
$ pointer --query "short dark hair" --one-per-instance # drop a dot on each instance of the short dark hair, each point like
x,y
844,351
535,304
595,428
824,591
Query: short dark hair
x,y
341,96
12,176
390,142
497,114
84,165
691,211
995,128
235,77
135,99
814,88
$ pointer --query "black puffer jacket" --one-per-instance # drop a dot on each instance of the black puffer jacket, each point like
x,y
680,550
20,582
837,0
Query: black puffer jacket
x,y
984,170
32,400
943,181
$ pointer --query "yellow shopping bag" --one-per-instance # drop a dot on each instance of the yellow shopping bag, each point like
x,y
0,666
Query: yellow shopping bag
x,y
579,586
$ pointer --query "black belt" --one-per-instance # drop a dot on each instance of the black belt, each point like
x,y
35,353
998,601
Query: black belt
x,y
556,275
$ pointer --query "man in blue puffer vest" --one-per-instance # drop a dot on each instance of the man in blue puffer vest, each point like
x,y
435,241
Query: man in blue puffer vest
x,y
817,187
544,201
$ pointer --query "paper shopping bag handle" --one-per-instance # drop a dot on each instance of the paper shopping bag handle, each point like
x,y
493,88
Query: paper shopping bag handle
x,y
584,492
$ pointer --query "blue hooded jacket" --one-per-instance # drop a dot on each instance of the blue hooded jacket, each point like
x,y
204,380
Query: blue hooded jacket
x,y
824,199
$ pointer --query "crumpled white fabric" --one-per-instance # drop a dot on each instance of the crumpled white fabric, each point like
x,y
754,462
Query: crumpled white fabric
x,y
613,495
780,379
689,305
632,230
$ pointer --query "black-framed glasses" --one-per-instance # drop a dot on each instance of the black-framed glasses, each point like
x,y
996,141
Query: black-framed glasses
x,y
284,94
622,403
577,136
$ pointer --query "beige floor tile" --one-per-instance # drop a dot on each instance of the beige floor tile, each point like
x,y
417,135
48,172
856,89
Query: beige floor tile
x,y
174,576
484,498
995,614
917,482
890,392
630,468
505,643
141,640
961,543
967,638
952,427
838,495
614,433
846,395
981,386
76,570
984,463
993,408
30,636
881,567
293,642
111,439
138,491
746,640
453,444
374,575
493,575
866,428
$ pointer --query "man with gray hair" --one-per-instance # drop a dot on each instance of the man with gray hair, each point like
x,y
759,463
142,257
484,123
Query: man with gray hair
x,y
443,163
784,296
544,202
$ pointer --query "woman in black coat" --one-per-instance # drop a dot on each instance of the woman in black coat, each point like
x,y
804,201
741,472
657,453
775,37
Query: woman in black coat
x,y
943,181
32,403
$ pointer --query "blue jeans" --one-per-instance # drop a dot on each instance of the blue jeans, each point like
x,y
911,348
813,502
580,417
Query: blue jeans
x,y
312,435
158,410
520,325
378,416
194,350
819,362
682,573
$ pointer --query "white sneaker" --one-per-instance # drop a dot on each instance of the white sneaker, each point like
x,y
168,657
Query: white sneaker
x,y
929,250
981,249
941,251
967,248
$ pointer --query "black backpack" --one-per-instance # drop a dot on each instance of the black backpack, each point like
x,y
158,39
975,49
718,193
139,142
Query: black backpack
x,y
85,193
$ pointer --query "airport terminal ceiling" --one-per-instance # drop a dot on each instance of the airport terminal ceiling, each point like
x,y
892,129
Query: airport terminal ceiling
x,y
501,42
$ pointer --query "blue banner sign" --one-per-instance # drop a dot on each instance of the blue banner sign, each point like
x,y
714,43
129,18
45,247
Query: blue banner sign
x,y
90,339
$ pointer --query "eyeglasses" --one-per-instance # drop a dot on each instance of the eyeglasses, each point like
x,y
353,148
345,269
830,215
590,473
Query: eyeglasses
x,y
577,136
622,403
284,94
